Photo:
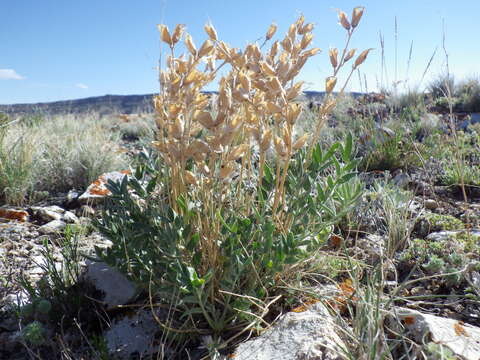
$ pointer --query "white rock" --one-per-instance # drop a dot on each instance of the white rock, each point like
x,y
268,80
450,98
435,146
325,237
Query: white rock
x,y
98,189
52,227
70,218
462,339
307,335
117,288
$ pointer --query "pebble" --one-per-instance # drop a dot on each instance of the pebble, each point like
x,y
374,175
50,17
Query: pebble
x,y
430,204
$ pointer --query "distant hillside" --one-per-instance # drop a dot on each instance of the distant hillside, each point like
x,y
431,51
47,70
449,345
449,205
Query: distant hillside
x,y
107,104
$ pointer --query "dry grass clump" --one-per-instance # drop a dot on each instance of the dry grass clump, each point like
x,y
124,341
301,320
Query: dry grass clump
x,y
55,155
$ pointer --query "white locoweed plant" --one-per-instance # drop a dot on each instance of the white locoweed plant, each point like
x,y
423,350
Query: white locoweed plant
x,y
245,200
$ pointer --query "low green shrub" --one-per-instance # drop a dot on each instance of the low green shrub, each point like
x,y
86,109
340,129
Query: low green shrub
x,y
160,250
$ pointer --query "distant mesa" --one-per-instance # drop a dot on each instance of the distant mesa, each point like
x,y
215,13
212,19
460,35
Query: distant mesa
x,y
107,104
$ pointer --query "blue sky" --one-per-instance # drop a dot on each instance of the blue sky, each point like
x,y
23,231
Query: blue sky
x,y
56,50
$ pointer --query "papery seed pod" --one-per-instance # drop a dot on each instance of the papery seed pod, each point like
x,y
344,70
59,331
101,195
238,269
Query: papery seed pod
x,y
257,53
299,23
312,52
206,48
193,76
211,32
245,81
293,112
306,29
165,34
275,84
287,137
237,152
280,148
274,50
330,83
342,17
349,55
292,31
226,139
176,129
271,31
177,33
287,44
267,69
181,67
198,146
300,142
295,90
306,40
204,118
190,178
266,140
361,58
225,170
357,15
273,108
333,54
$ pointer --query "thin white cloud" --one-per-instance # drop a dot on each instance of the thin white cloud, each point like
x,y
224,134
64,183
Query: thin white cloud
x,y
10,74
81,86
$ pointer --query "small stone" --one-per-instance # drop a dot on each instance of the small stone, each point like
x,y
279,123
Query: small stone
x,y
70,218
53,227
430,204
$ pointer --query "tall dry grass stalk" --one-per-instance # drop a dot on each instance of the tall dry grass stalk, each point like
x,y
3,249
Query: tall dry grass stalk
x,y
215,146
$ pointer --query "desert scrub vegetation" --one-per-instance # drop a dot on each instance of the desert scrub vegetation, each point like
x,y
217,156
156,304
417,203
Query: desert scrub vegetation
x,y
236,201
50,155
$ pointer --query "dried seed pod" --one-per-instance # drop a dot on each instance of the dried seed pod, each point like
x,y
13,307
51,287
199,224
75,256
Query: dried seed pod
x,y
311,52
177,33
211,32
361,58
271,31
266,140
190,178
287,137
204,118
190,45
292,31
237,152
342,17
225,170
300,142
280,148
294,91
299,23
333,53
177,128
330,83
273,50
287,44
273,108
275,85
349,55
267,69
357,15
306,40
245,81
206,48
306,28
197,146
165,34
293,112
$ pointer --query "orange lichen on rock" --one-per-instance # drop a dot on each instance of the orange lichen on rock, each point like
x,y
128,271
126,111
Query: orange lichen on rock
x,y
18,215
305,305
460,329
